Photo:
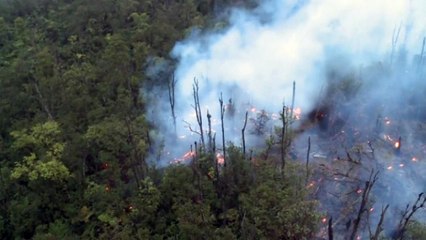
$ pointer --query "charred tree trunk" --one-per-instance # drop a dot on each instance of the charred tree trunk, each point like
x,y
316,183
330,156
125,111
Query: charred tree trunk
x,y
197,109
171,87
243,135
222,113
283,137
209,134
364,201
216,164
330,229
307,160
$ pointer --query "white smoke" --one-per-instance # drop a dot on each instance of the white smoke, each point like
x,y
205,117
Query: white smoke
x,y
264,57
256,58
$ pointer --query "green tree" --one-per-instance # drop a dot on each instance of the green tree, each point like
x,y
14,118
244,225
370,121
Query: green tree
x,y
44,152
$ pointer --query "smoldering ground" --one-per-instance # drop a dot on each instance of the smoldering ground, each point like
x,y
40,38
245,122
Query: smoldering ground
x,y
361,60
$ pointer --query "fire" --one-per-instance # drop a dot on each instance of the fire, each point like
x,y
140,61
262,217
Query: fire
x,y
371,209
187,156
324,220
396,144
311,184
104,166
297,112
414,159
220,159
359,191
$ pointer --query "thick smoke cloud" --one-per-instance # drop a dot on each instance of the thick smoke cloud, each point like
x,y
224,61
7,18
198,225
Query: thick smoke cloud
x,y
263,57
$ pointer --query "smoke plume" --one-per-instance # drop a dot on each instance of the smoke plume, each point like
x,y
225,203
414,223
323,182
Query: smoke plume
x,y
362,59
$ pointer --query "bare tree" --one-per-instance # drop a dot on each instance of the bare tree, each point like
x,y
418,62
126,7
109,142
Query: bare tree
x,y
172,87
209,134
243,134
197,108
379,227
307,159
222,113
364,202
286,120
408,214
330,229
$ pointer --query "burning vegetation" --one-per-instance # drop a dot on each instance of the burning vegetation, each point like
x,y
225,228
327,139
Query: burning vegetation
x,y
356,161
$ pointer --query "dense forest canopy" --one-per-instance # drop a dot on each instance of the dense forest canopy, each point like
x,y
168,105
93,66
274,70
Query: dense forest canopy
x,y
78,144
75,137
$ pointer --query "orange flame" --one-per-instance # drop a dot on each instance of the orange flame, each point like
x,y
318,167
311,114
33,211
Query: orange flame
x,y
396,144
188,155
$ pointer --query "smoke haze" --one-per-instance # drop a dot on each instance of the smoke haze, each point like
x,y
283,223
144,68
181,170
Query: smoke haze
x,y
375,45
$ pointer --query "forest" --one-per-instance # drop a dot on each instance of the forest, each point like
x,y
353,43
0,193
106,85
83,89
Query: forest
x,y
79,147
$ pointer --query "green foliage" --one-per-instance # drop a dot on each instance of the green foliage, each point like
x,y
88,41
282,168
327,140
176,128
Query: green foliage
x,y
275,211
45,153
415,230
56,230
74,138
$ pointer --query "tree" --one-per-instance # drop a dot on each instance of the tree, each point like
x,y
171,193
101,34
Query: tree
x,y
44,152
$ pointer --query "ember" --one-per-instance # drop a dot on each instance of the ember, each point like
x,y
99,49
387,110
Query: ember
x,y
387,121
396,145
